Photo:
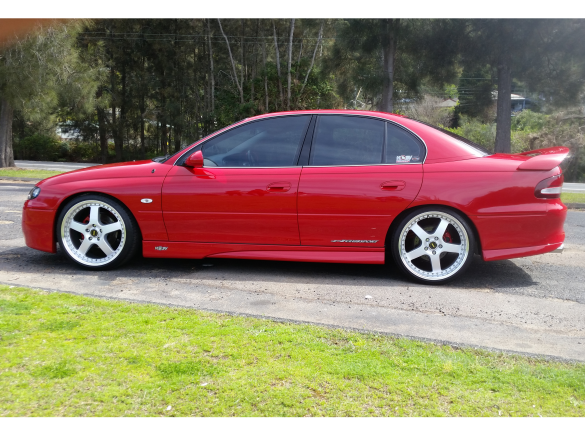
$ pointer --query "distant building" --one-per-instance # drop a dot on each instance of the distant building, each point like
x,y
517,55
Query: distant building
x,y
448,103
519,102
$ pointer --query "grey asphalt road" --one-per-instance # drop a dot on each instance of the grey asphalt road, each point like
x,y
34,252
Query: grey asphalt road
x,y
52,165
65,167
534,305
574,188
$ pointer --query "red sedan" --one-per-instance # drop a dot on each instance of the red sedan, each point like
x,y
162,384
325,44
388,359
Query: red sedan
x,y
314,186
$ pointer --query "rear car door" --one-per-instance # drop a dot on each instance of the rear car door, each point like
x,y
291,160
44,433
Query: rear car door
x,y
247,190
361,173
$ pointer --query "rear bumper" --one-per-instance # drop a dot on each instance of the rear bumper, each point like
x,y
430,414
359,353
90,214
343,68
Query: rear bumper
x,y
559,250
522,235
512,253
38,226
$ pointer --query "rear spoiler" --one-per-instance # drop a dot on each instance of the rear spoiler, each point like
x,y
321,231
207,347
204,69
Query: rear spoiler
x,y
543,159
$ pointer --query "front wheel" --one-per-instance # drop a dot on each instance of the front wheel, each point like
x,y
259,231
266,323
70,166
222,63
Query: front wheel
x,y
97,232
433,245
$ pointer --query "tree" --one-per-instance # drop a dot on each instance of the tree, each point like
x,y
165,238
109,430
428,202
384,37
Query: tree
x,y
386,59
163,84
38,73
535,51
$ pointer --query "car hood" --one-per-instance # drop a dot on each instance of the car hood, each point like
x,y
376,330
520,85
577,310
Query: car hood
x,y
128,169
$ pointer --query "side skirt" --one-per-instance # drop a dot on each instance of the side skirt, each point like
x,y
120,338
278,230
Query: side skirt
x,y
194,250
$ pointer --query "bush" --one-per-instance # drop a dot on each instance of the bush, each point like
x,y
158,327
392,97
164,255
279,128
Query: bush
x,y
529,121
531,131
483,134
38,147
428,110
83,152
46,148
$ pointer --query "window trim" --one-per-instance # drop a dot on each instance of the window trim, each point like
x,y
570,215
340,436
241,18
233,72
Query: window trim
x,y
398,125
181,160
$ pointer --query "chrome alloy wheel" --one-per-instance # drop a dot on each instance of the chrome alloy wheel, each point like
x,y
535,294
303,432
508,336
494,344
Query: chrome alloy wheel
x,y
93,233
433,245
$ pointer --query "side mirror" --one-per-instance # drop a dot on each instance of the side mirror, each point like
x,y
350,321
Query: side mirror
x,y
195,160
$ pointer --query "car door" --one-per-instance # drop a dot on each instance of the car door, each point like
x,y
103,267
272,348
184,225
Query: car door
x,y
361,173
247,190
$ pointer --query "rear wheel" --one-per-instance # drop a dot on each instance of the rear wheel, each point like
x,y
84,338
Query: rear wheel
x,y
433,246
97,232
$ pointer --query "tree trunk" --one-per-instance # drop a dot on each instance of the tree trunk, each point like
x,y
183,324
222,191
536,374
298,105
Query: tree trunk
x,y
265,72
177,139
212,91
389,50
299,60
103,133
116,134
504,107
142,139
163,136
278,64
120,143
313,59
233,64
6,152
142,108
290,43
254,64
243,55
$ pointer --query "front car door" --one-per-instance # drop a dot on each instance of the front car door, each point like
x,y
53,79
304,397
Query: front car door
x,y
247,190
361,173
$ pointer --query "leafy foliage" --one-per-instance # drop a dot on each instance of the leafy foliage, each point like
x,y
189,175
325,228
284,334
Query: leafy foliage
x,y
483,134
531,131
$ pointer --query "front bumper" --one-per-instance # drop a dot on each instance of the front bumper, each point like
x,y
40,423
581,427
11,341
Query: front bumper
x,y
38,228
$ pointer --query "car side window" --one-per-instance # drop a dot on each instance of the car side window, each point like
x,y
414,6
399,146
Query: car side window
x,y
401,147
347,140
272,142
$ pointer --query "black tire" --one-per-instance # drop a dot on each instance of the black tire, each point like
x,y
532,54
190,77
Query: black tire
x,y
429,256
105,222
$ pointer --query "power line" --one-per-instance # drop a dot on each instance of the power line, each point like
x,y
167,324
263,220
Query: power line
x,y
141,34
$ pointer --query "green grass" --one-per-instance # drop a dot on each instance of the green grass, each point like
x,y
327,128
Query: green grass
x,y
26,173
573,197
66,355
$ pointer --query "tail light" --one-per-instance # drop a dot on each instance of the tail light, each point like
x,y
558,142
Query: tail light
x,y
550,187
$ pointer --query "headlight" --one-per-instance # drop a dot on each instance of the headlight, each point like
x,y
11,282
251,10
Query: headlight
x,y
34,193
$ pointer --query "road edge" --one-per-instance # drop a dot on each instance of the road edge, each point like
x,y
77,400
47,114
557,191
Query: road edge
x,y
22,179
576,205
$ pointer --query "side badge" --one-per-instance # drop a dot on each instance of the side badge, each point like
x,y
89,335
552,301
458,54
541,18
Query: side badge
x,y
146,200
161,248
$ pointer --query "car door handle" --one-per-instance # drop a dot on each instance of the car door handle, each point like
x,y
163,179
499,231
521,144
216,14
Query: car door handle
x,y
392,185
278,187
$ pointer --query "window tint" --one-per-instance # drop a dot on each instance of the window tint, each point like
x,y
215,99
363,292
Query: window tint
x,y
345,140
401,147
266,143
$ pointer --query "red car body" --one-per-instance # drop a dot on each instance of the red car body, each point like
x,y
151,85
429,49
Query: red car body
x,y
309,213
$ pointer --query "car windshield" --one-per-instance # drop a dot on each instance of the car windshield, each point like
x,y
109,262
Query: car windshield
x,y
477,149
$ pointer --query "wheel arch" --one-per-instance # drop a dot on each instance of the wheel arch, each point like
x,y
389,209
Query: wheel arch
x,y
65,200
404,213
